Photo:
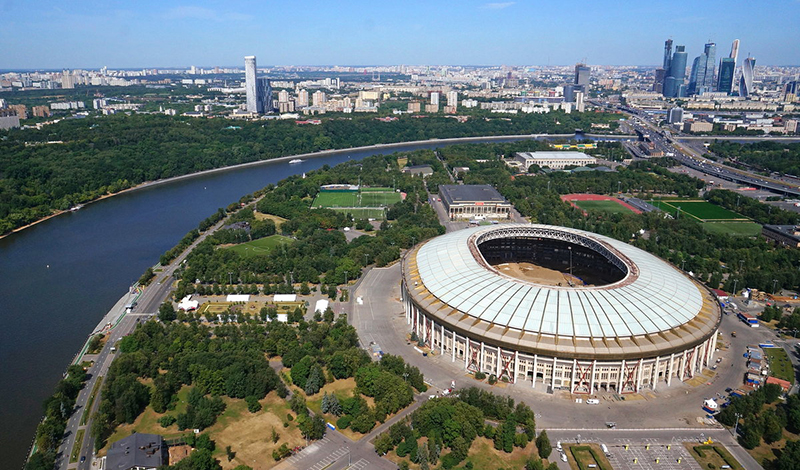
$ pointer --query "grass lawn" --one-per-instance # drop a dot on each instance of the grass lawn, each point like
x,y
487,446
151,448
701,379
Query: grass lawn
x,y
581,456
260,246
363,213
737,229
697,209
605,206
779,364
89,403
715,454
76,448
342,389
336,199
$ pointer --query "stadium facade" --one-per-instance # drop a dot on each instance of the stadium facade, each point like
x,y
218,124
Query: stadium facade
x,y
617,319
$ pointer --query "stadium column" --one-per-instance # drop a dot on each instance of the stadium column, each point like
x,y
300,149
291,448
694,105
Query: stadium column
x,y
442,348
553,374
713,347
572,383
682,366
654,373
482,362
516,366
498,363
670,367
467,343
639,375
698,360
621,377
535,369
591,381
453,344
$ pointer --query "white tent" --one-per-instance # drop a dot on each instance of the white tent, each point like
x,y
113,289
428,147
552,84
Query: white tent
x,y
285,297
238,298
187,304
321,306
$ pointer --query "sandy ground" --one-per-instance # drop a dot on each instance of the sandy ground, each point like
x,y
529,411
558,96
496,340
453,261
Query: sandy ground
x,y
534,273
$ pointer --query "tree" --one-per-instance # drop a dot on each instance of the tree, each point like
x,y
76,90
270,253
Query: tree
x,y
543,444
315,380
166,312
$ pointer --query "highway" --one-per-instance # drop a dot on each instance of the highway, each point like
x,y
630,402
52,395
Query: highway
x,y
124,323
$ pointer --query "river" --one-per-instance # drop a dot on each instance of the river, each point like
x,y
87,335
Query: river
x,y
58,278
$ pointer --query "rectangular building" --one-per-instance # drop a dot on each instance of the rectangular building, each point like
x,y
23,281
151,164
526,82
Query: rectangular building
x,y
553,160
8,119
476,201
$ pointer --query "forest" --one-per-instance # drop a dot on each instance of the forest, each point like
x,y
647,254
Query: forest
x,y
783,157
719,260
51,169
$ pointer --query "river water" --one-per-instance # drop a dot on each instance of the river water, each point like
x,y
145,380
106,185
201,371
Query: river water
x,y
59,278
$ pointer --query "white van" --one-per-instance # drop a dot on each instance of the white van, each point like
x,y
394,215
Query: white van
x,y
592,401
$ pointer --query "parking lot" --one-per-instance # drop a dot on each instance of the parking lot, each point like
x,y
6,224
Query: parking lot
x,y
650,454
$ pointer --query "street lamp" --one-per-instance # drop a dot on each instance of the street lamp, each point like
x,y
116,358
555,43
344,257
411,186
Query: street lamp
x,y
736,425
734,286
230,278
570,263
774,283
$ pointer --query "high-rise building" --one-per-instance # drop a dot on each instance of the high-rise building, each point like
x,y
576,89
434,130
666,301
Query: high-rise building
x,y
283,96
675,115
569,93
746,80
318,98
263,96
674,83
302,98
435,98
452,98
702,75
250,83
735,50
582,73
667,55
791,91
727,67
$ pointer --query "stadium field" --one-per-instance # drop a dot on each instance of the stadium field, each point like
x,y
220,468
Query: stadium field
x,y
259,247
369,197
605,206
699,210
739,229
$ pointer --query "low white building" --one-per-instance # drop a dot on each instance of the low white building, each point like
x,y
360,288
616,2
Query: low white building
x,y
553,160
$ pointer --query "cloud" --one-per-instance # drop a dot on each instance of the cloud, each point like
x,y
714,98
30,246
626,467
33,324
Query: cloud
x,y
202,13
497,6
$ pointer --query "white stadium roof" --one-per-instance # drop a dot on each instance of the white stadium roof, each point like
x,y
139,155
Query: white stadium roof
x,y
653,297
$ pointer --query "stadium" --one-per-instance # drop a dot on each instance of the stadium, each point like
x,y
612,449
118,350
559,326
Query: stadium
x,y
557,307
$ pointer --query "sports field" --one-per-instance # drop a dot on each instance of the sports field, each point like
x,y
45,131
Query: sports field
x,y
369,197
260,246
739,229
697,209
361,212
605,206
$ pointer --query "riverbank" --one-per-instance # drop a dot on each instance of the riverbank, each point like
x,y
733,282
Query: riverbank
x,y
325,153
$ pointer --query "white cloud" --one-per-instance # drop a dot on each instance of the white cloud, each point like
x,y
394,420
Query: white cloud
x,y
497,6
202,13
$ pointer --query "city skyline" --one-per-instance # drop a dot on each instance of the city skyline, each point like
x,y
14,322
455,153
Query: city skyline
x,y
45,35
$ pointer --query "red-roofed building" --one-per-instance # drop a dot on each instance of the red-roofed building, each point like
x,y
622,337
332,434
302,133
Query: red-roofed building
x,y
785,384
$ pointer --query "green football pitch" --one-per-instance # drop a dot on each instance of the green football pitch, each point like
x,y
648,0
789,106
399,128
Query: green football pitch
x,y
372,197
260,246
699,210
605,206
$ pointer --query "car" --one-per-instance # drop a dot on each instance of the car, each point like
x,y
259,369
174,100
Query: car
x,y
728,390
592,401
83,458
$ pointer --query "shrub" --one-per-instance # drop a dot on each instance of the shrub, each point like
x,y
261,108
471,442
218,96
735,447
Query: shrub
x,y
479,375
343,422
492,379
167,421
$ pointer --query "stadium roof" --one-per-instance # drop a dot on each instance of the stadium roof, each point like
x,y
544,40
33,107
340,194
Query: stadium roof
x,y
653,297
558,155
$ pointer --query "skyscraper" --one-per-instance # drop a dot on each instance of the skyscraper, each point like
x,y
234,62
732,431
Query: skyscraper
x,y
702,75
727,67
674,83
667,55
250,83
258,90
746,80
735,50
582,73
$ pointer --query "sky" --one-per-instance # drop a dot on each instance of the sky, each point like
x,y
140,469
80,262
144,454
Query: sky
x,y
45,34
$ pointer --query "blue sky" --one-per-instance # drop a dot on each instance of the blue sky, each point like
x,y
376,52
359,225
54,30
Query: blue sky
x,y
145,33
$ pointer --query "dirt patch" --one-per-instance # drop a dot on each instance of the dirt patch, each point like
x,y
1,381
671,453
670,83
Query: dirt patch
x,y
178,453
595,197
537,274
278,220
250,434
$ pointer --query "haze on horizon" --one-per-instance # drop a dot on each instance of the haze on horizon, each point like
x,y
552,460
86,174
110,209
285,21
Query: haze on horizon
x,y
91,34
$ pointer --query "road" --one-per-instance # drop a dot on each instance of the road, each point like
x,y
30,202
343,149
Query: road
x,y
124,323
